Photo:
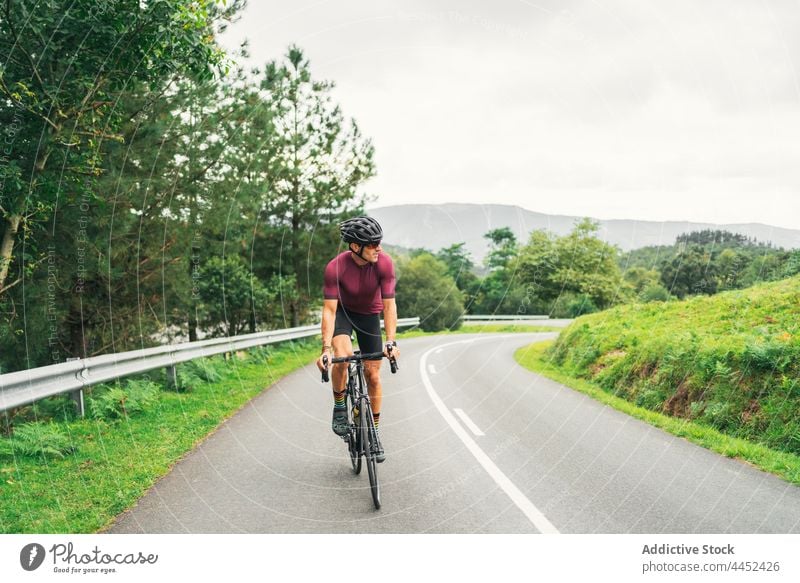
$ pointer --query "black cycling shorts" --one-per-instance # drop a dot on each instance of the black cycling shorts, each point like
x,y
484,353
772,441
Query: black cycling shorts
x,y
366,326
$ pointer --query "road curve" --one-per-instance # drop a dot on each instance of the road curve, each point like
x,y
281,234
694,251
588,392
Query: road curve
x,y
475,444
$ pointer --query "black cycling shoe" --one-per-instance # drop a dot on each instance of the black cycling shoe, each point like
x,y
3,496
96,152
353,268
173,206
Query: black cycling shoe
x,y
380,455
339,423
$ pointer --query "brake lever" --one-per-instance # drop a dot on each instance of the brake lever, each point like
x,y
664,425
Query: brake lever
x,y
325,377
392,360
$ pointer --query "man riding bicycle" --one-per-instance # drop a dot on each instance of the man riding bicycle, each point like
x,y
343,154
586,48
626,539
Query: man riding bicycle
x,y
359,285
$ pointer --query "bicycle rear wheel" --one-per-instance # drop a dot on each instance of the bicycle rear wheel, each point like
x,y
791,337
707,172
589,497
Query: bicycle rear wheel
x,y
368,439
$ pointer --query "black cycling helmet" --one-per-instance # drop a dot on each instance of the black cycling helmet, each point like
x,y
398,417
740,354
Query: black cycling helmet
x,y
361,230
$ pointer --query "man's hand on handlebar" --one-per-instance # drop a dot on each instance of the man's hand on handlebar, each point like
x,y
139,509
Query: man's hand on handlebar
x,y
391,351
322,365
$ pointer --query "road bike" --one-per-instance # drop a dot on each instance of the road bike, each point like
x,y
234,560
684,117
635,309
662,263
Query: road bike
x,y
361,439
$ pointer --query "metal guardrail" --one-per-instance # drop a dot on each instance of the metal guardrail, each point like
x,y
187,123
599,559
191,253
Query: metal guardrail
x,y
27,386
493,317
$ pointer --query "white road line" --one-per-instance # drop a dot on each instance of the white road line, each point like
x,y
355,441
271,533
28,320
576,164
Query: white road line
x,y
431,369
438,350
526,506
468,422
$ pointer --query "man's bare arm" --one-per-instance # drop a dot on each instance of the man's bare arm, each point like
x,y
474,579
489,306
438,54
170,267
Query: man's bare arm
x,y
328,321
390,318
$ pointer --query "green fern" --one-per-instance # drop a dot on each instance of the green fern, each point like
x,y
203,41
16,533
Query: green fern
x,y
34,439
118,402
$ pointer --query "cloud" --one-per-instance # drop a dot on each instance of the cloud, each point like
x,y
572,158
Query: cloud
x,y
556,106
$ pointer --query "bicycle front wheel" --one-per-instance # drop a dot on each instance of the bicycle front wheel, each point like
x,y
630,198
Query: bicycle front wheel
x,y
354,437
369,441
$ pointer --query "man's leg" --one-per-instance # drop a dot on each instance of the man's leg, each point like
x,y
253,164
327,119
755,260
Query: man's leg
x,y
372,371
342,346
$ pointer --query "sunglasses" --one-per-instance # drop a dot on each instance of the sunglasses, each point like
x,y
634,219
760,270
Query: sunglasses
x,y
372,245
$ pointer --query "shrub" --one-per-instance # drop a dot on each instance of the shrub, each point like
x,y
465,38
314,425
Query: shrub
x,y
204,368
768,356
34,439
117,402
260,354
424,289
655,293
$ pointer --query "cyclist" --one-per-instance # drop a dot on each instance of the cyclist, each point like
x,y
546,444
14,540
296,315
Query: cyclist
x,y
359,285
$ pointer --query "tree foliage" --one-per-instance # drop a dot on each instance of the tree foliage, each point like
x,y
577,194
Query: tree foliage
x,y
159,174
424,289
64,67
314,160
579,269
460,267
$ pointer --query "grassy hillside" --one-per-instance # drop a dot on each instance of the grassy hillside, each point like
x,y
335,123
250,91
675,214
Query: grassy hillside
x,y
730,361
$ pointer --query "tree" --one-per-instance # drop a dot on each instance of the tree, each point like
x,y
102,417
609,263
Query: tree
x,y
459,267
655,293
588,265
503,247
639,278
425,290
690,272
578,266
63,69
791,266
642,282
714,237
316,162
538,263
498,293
230,295
730,267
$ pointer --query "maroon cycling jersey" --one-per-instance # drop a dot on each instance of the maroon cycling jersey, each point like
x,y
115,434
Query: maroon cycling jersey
x,y
359,289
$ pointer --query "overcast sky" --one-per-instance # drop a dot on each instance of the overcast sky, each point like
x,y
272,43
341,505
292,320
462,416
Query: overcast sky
x,y
660,110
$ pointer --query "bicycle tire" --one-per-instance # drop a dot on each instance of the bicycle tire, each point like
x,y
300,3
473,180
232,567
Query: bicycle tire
x,y
368,439
353,441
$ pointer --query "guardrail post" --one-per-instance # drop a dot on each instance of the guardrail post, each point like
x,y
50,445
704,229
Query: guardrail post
x,y
77,396
172,378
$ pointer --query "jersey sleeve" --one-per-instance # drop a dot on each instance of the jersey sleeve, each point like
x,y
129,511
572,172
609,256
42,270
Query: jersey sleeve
x,y
330,287
388,279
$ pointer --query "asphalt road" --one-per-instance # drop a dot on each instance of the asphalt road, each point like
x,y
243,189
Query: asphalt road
x,y
545,459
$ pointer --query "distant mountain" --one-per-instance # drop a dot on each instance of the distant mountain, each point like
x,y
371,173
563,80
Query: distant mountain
x,y
435,226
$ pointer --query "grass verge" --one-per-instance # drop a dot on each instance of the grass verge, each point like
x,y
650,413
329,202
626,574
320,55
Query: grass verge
x,y
116,462
782,464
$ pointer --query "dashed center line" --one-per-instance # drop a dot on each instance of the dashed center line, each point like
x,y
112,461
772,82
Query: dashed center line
x,y
431,369
515,494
